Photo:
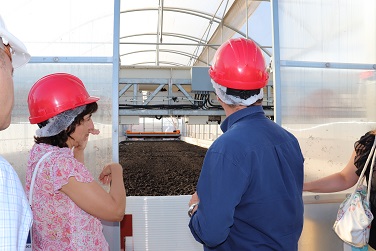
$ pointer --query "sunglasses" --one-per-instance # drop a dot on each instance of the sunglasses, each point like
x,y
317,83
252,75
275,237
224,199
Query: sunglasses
x,y
7,49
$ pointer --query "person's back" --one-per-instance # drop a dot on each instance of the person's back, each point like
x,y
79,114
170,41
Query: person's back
x,y
249,193
271,209
259,166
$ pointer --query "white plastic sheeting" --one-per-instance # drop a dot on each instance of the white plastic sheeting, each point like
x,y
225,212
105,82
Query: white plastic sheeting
x,y
160,223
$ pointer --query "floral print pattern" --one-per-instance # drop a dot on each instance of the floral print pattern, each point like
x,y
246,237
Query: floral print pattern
x,y
59,224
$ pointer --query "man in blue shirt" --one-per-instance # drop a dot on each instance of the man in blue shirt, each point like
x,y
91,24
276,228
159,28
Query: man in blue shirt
x,y
249,193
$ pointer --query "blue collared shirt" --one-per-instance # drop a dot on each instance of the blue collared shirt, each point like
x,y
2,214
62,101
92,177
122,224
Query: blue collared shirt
x,y
250,187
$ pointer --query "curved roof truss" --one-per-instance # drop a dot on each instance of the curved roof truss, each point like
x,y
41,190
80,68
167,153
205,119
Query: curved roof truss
x,y
201,42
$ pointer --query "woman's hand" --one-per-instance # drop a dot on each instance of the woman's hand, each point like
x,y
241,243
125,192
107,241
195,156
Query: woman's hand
x,y
105,177
94,131
80,146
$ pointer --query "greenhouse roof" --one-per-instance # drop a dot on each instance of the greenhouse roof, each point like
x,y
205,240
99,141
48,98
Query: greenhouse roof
x,y
151,32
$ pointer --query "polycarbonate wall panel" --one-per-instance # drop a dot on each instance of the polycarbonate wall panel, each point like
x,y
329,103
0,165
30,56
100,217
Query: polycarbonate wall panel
x,y
17,140
327,108
315,96
62,27
328,30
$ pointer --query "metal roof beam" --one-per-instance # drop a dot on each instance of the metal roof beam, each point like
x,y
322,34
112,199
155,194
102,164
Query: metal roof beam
x,y
235,21
163,50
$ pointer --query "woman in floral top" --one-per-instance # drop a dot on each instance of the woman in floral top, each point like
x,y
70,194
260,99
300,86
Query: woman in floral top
x,y
67,202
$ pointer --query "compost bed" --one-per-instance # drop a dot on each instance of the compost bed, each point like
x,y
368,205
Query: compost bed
x,y
160,168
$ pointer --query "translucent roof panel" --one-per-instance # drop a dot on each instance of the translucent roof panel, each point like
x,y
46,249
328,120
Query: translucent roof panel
x,y
62,27
152,32
167,32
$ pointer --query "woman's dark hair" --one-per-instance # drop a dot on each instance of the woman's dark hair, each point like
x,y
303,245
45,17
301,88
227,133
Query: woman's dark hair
x,y
363,148
61,139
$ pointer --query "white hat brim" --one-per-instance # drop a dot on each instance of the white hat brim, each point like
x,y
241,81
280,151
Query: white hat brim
x,y
20,56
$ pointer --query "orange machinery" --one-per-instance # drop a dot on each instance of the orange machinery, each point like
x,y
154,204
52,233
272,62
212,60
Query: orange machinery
x,y
144,135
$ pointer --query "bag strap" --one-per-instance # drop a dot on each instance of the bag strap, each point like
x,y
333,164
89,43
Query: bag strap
x,y
361,177
371,171
34,176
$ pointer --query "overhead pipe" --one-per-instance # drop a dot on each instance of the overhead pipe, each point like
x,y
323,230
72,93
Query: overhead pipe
x,y
246,18
160,39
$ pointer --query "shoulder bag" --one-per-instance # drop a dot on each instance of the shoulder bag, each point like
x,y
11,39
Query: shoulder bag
x,y
354,216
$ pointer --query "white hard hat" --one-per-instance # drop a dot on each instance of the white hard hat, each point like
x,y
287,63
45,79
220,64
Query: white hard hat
x,y
20,56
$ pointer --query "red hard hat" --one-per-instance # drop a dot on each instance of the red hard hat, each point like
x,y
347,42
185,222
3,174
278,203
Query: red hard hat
x,y
54,94
239,64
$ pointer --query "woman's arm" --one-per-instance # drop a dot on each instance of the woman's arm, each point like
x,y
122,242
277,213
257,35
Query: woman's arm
x,y
93,199
336,182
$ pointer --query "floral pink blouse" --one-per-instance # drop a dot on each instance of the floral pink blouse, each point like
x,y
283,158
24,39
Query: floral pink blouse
x,y
58,223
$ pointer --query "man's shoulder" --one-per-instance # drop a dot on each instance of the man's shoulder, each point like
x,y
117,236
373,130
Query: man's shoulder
x,y
5,165
7,172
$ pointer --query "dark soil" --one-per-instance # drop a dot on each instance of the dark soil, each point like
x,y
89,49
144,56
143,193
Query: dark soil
x,y
160,168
